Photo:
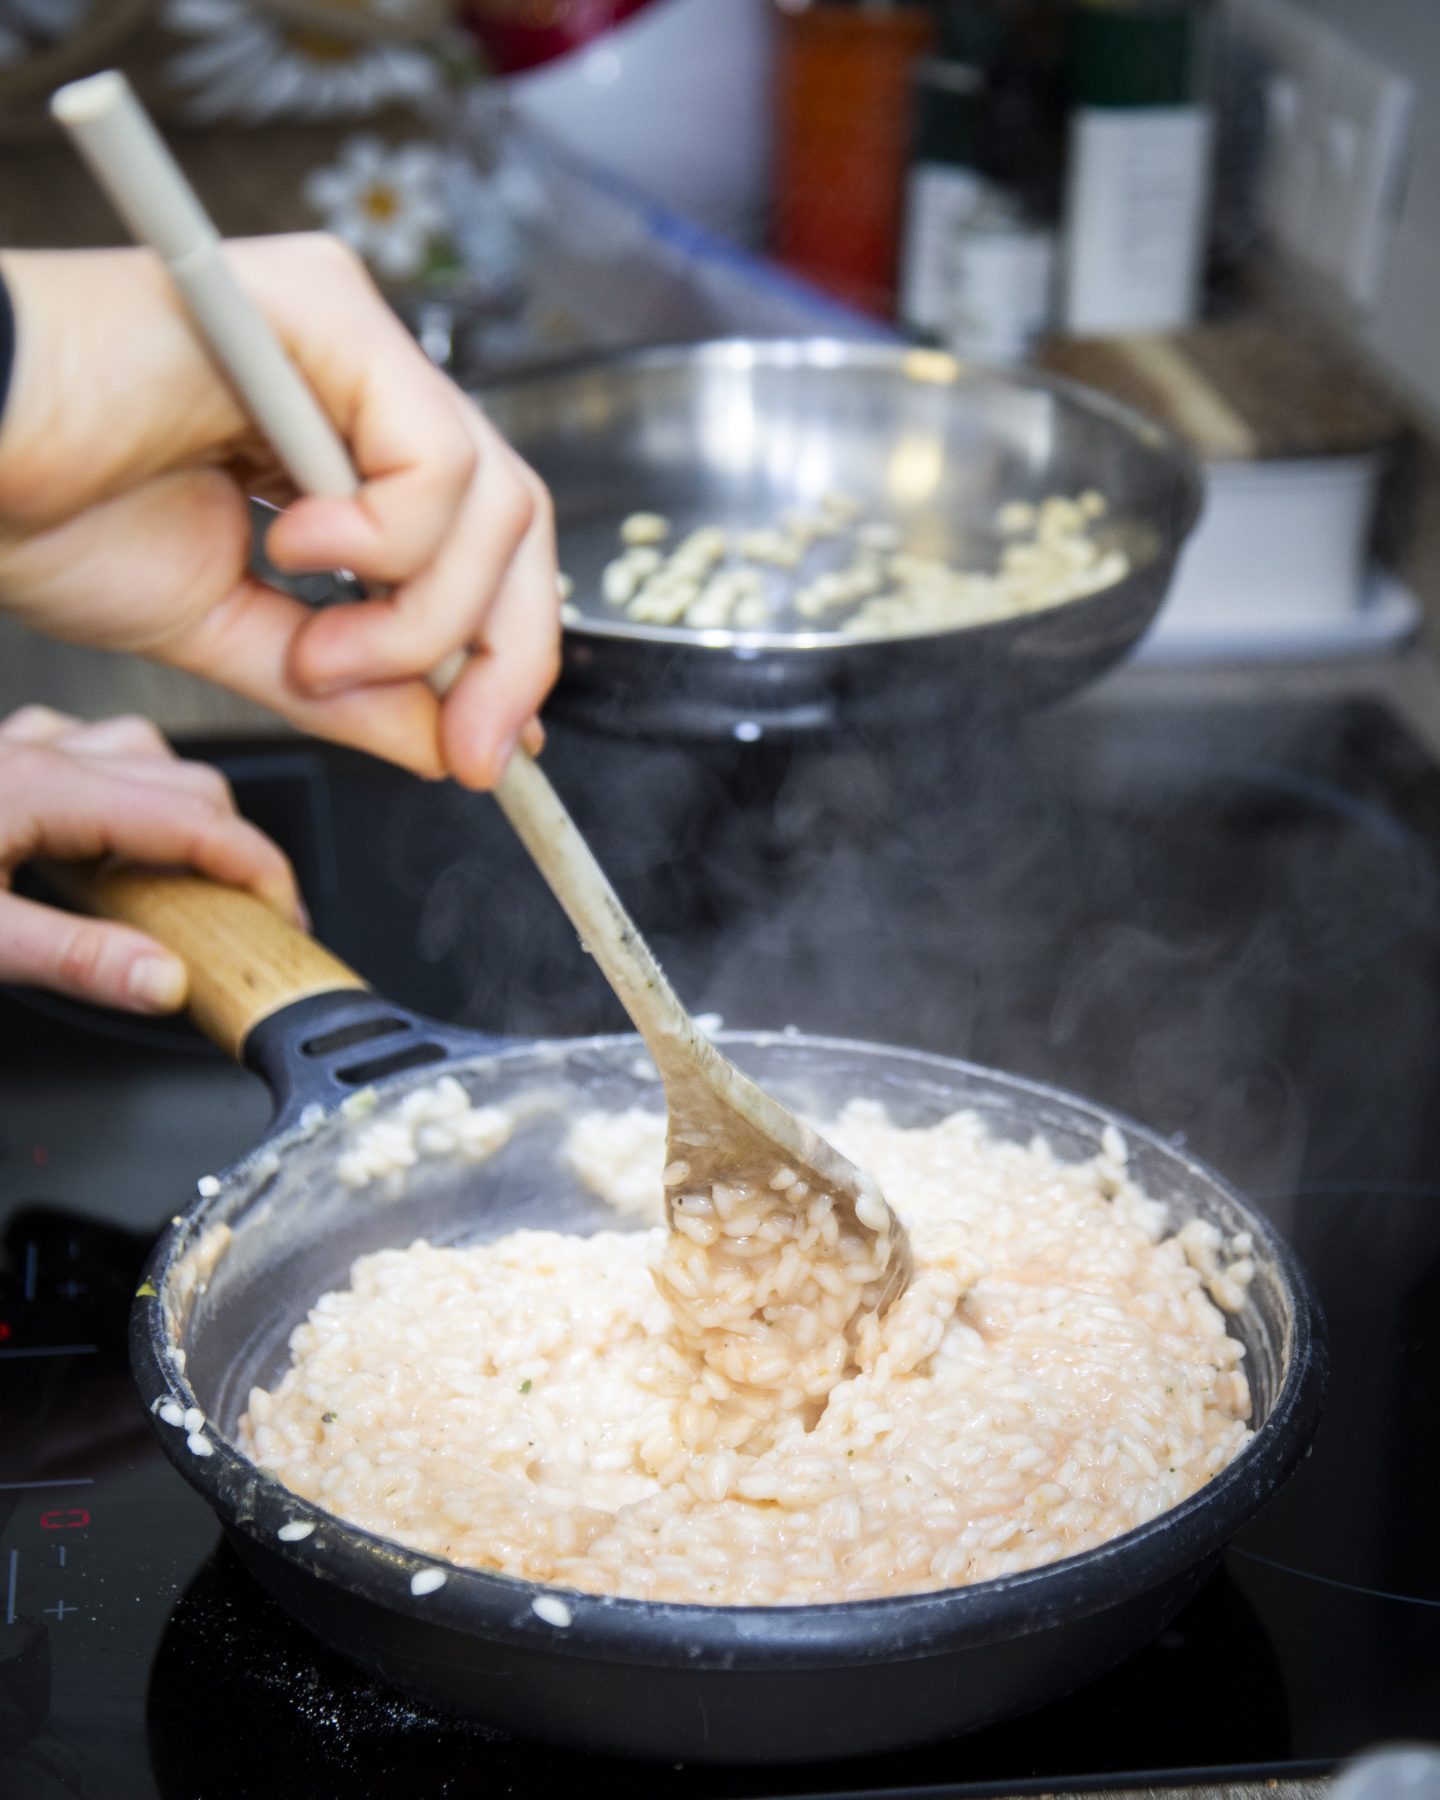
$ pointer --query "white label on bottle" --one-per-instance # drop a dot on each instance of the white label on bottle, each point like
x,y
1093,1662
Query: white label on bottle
x,y
939,197
1000,292
1135,218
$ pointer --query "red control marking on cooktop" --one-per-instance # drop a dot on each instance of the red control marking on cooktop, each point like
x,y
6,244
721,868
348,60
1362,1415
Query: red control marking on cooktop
x,y
73,1518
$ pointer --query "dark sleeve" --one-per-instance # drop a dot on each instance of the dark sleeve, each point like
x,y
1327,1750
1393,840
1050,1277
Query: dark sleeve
x,y
7,343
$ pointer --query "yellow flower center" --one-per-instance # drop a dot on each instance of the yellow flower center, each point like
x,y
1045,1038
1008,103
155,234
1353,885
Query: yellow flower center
x,y
381,203
320,47
307,28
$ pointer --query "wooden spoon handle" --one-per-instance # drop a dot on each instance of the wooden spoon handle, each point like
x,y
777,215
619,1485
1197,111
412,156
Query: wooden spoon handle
x,y
245,961
541,822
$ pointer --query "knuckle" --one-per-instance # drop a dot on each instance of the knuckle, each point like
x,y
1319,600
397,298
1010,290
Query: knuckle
x,y
194,818
186,804
253,841
214,785
30,767
31,717
543,503
332,252
135,725
520,508
434,638
524,471
462,462
81,956
270,859
546,664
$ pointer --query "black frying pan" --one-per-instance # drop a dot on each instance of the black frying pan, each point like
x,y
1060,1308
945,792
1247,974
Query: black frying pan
x,y
241,1265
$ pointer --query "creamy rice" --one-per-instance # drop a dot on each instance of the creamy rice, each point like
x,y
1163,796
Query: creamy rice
x,y
1056,1373
771,1288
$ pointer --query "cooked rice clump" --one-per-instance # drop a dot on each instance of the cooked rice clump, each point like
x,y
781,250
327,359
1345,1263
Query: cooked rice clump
x,y
1056,1373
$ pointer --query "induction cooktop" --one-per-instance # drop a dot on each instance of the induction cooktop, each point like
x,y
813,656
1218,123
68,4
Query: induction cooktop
x,y
1222,920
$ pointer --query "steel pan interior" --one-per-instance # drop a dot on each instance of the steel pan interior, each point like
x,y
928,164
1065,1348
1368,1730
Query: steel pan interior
x,y
737,432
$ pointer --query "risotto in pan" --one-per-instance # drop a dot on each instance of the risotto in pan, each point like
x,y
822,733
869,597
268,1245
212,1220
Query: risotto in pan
x,y
1057,1372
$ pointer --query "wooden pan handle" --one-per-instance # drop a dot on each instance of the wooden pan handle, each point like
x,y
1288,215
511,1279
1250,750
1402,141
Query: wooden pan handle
x,y
245,961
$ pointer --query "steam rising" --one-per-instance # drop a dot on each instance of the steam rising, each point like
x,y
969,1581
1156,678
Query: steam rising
x,y
1184,918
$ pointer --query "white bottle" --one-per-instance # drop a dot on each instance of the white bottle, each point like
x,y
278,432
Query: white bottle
x,y
942,190
939,199
1001,283
1138,183
1135,209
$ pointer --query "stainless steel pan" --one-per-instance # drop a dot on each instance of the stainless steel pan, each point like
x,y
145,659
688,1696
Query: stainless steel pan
x,y
736,432
240,1266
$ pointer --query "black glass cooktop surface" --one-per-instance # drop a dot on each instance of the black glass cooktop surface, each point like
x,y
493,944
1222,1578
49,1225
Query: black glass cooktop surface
x,y
1224,921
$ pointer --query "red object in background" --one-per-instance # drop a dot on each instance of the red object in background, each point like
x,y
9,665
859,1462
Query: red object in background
x,y
523,34
74,1518
4,1330
843,129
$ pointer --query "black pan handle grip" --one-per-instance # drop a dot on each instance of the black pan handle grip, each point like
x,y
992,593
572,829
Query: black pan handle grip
x,y
265,992
322,1049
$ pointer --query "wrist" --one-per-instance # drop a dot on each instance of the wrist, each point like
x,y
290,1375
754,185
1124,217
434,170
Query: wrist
x,y
12,429
108,383
7,342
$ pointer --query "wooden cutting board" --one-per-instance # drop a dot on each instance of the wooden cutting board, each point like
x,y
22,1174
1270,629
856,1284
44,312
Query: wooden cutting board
x,y
1238,392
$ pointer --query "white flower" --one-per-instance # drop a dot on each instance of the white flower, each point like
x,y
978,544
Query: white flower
x,y
28,25
385,203
248,65
45,18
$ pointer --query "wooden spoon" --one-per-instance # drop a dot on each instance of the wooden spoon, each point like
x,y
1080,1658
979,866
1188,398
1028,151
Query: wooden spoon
x,y
722,1129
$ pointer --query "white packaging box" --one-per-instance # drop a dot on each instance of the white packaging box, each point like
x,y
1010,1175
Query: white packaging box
x,y
1280,545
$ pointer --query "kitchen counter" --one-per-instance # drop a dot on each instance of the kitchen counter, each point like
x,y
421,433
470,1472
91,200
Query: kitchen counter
x,y
1409,682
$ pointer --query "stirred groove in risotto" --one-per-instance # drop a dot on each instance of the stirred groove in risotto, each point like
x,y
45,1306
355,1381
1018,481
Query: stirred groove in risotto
x,y
773,1291
1057,1372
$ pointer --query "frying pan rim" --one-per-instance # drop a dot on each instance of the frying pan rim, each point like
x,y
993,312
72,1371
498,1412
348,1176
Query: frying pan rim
x,y
499,1607
824,352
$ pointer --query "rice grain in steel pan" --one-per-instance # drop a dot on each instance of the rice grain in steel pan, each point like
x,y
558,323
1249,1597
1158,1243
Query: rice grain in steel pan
x,y
742,435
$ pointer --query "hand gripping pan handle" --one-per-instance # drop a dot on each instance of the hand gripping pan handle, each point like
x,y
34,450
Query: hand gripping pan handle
x,y
263,991
245,962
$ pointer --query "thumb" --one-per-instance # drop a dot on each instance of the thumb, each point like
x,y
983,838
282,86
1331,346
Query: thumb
x,y
109,965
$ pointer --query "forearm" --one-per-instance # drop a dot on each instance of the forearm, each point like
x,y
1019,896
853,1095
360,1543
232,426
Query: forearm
x,y
108,385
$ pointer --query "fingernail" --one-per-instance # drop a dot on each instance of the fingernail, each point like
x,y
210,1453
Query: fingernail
x,y
504,750
302,915
156,983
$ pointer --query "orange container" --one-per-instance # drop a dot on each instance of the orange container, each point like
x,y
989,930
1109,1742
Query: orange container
x,y
843,130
